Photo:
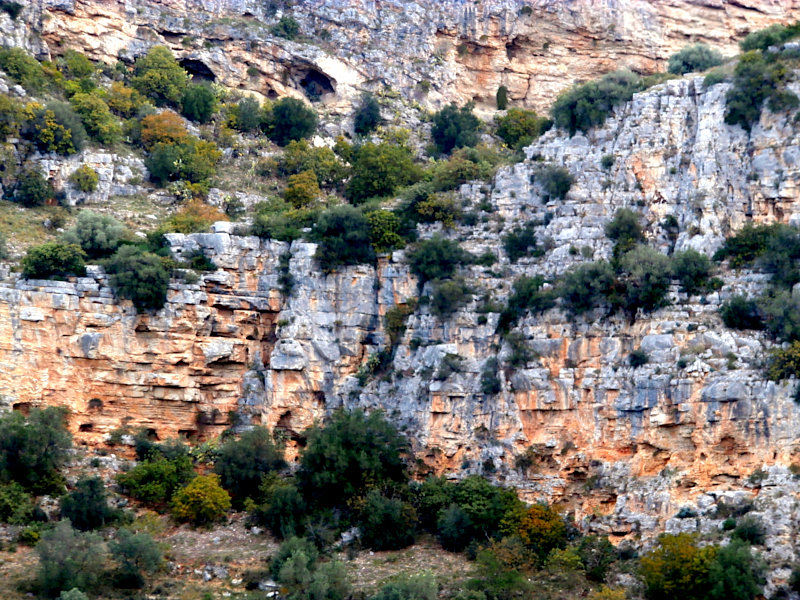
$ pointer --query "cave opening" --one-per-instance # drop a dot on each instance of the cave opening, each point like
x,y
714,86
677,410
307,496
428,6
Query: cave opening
x,y
198,70
316,84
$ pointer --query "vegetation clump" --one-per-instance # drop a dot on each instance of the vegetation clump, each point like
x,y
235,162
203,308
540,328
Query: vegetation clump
x,y
693,59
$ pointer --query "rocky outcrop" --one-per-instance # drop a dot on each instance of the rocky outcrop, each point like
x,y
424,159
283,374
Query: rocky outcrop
x,y
459,51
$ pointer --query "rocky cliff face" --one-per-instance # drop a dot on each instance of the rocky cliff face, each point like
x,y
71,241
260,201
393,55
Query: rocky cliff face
x,y
461,51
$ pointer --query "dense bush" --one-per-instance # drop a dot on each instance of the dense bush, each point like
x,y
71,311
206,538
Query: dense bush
x,y
343,235
351,454
57,128
69,559
774,35
490,381
448,296
247,116
287,27
202,502
85,179
21,443
387,523
293,547
625,231
646,273
740,312
756,80
23,69
436,258
156,480
678,567
638,358
784,363
138,276
291,120
97,119
13,9
32,188
587,105
136,555
454,528
158,76
502,97
780,310
520,127
693,59
98,235
300,156
540,528
198,103
527,295
692,270
302,189
554,181
597,555
367,116
53,260
521,241
384,230
165,127
285,226
379,170
455,127
283,510
16,505
243,462
587,287
735,574
87,505
420,586
124,101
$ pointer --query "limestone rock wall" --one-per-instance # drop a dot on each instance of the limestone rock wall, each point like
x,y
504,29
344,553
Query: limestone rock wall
x,y
464,50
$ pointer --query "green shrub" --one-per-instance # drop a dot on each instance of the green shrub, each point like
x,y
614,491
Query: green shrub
x,y
329,582
454,528
436,258
587,287
351,454
86,506
32,188
16,505
774,35
395,320
384,230
527,295
69,559
49,133
448,296
85,179
283,512
302,189
198,103
735,573
136,555
692,270
367,116
73,594
502,97
66,117
520,127
490,382
455,127
638,358
379,170
76,65
248,115
756,80
53,260
387,523
287,27
158,76
740,312
625,231
291,120
12,9
98,235
554,181
597,555
155,481
607,161
751,530
300,156
97,119
202,502
781,313
646,273
343,235
293,547
285,227
521,241
587,105
693,59
21,443
677,567
23,69
241,464
420,586
138,276
784,363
